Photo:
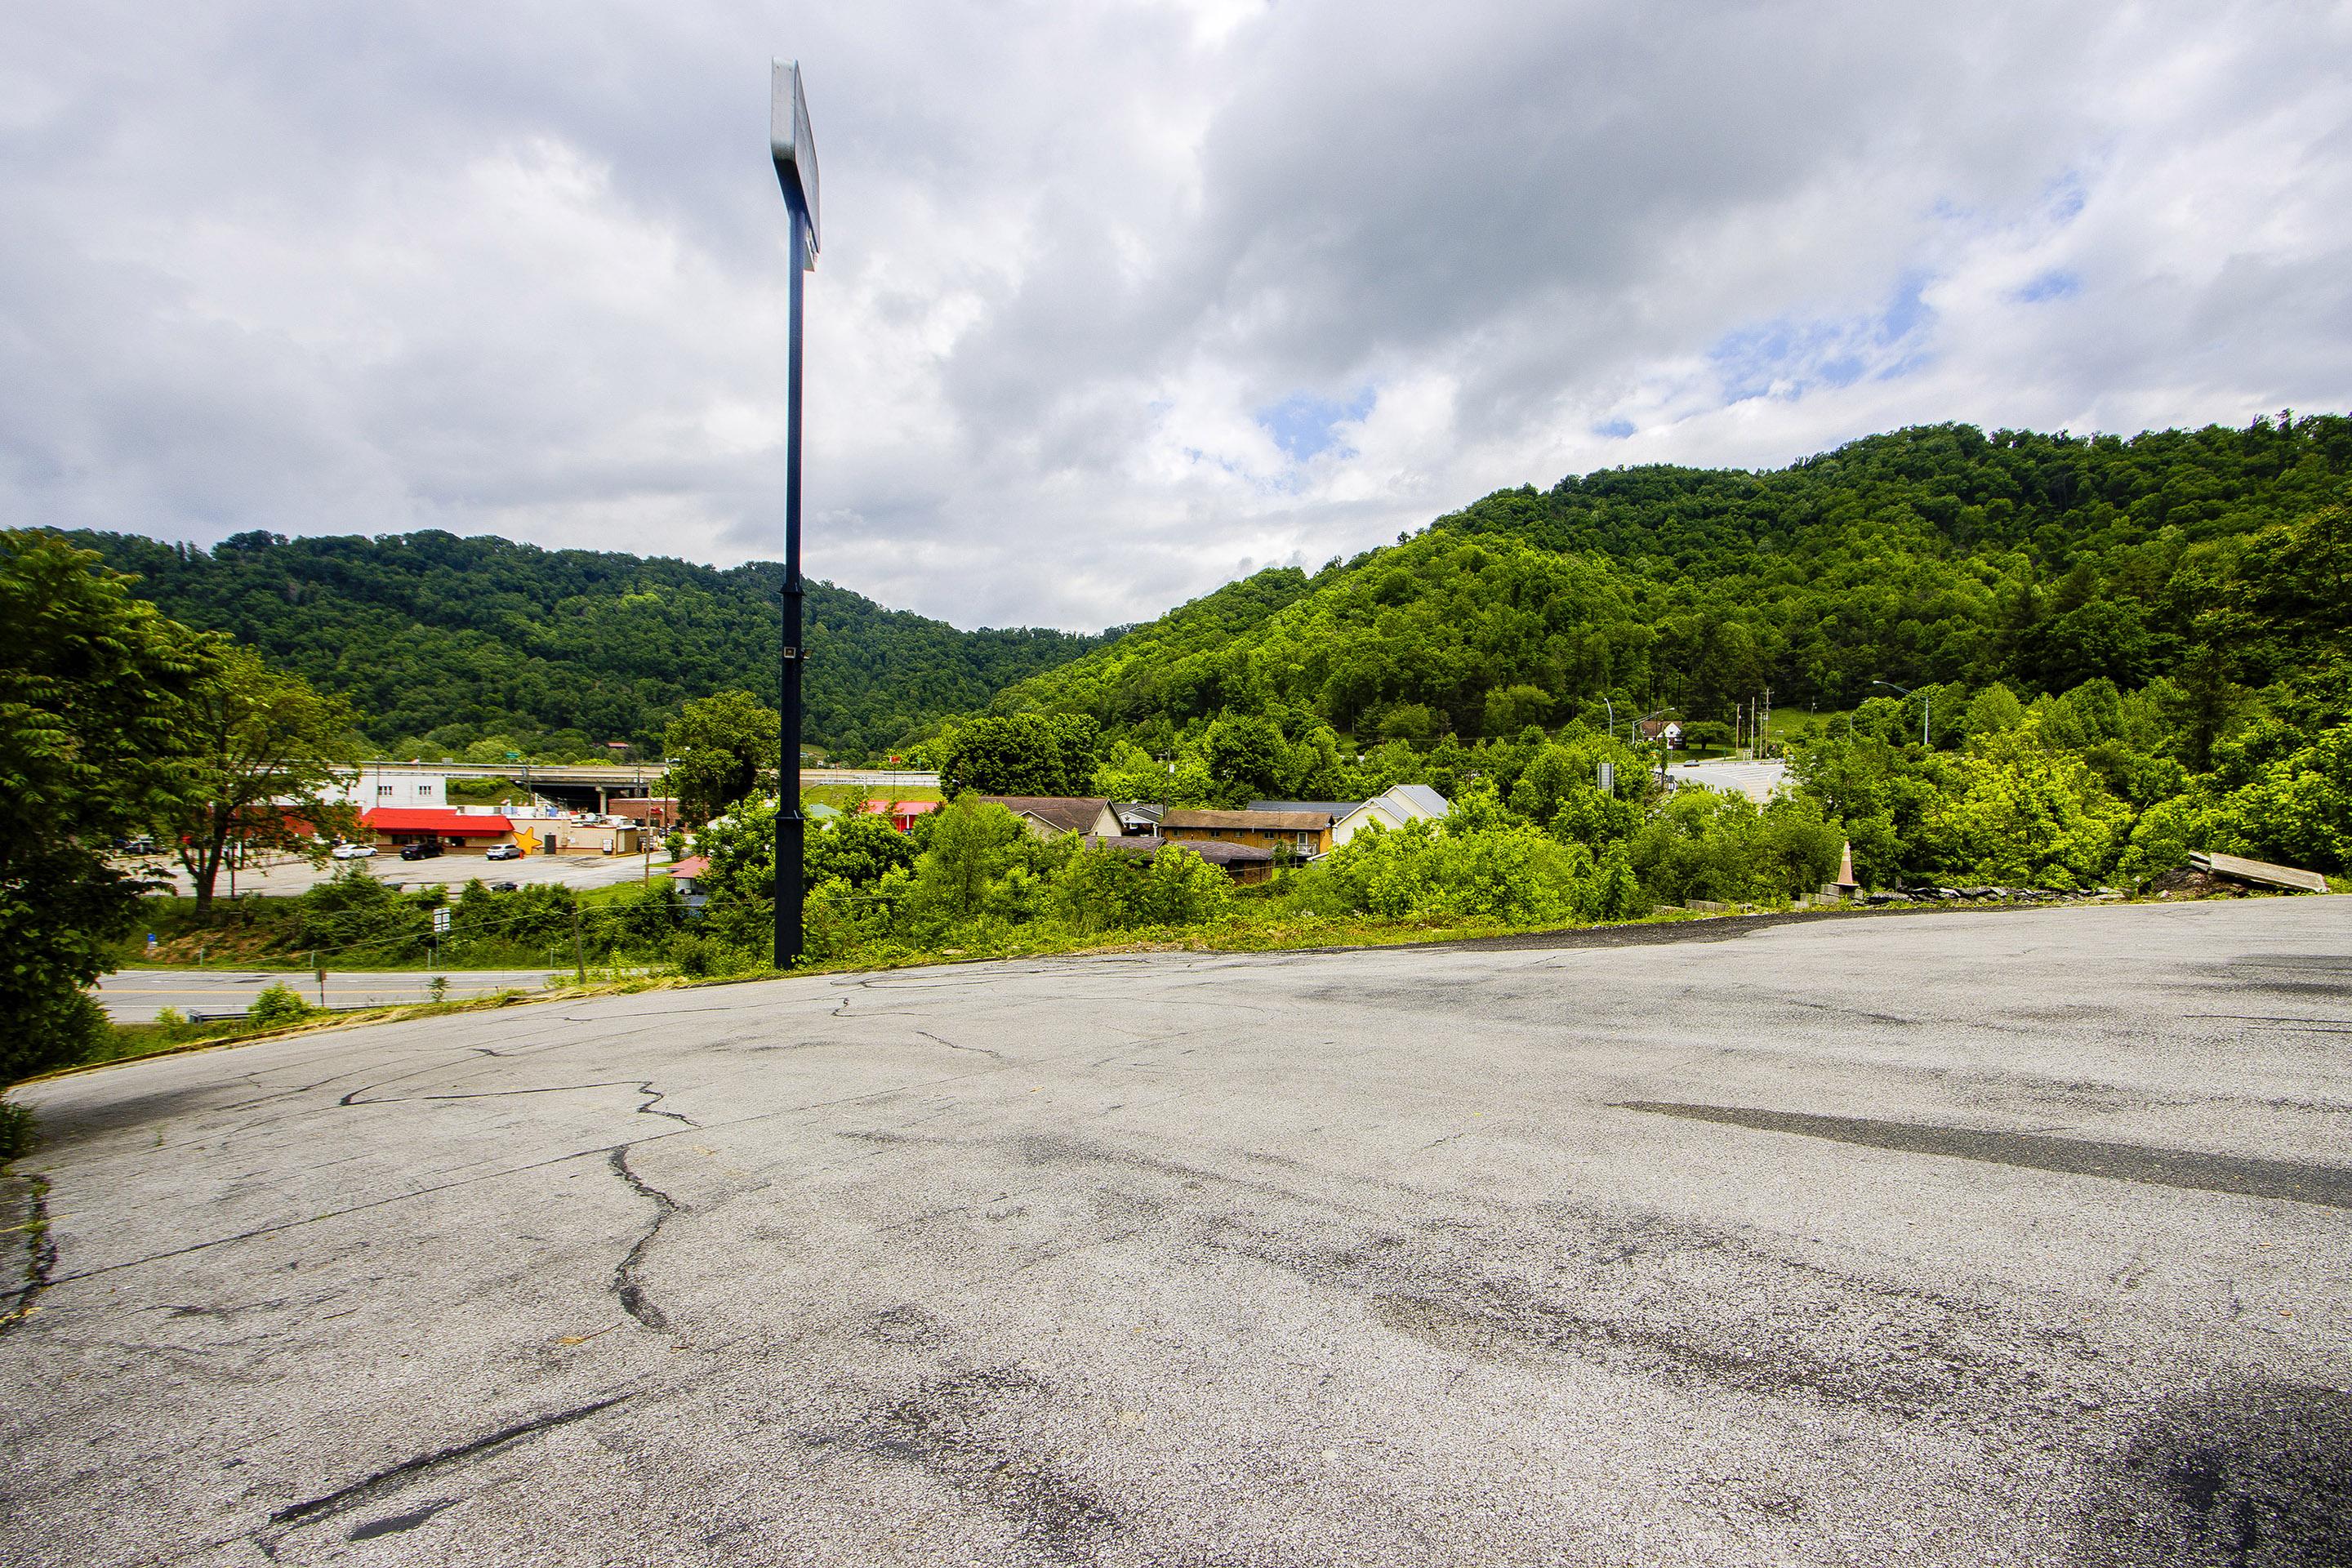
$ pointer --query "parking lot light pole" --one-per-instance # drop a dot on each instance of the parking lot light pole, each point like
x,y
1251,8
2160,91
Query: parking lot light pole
x,y
1927,704
795,150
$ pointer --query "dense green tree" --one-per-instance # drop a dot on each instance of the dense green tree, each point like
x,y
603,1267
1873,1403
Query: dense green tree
x,y
1018,753
858,849
94,686
1510,709
259,753
1245,757
2293,806
971,843
2014,813
719,746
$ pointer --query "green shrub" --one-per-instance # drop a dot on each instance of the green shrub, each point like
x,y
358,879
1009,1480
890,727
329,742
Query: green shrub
x,y
49,1026
280,1004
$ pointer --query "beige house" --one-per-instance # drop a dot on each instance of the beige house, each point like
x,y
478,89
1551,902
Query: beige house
x,y
1390,809
1052,816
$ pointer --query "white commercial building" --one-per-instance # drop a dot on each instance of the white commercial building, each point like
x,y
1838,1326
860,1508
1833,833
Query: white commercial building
x,y
373,785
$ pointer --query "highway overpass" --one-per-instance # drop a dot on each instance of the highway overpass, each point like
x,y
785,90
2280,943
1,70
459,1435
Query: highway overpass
x,y
590,786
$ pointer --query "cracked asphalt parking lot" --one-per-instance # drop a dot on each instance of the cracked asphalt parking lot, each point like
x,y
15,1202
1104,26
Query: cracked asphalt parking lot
x,y
1949,1238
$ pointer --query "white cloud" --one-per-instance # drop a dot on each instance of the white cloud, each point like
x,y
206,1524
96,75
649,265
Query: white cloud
x,y
1118,302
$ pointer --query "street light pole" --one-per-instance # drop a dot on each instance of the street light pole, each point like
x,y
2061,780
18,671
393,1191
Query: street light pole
x,y
794,152
1926,706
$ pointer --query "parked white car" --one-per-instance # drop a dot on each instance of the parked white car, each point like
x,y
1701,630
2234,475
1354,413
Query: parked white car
x,y
354,851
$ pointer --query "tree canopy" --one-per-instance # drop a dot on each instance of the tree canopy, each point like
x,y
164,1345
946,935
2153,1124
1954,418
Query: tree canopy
x,y
1927,555
440,642
93,692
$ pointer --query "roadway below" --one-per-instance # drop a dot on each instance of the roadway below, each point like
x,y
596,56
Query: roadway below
x,y
1943,1240
285,879
1759,782
139,995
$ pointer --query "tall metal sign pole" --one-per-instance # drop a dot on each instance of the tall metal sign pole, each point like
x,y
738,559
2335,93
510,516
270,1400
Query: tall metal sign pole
x,y
795,156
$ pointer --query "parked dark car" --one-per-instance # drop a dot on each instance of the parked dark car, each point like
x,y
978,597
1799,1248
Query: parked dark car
x,y
505,887
423,851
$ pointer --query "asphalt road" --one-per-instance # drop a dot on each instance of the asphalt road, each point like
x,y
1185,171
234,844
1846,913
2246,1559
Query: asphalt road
x,y
1951,1239
137,996
285,879
1757,781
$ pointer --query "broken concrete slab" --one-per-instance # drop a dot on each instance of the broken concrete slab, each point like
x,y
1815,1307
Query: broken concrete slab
x,y
2258,873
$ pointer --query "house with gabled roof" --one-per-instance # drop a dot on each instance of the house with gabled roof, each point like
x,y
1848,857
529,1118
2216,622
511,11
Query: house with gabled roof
x,y
1242,863
1392,809
1306,834
1139,818
1052,816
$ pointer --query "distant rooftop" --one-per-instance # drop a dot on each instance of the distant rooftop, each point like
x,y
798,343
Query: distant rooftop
x,y
1066,813
1261,821
1423,796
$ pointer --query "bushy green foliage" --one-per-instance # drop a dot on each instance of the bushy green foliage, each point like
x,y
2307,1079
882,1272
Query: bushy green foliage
x,y
2277,797
1507,872
1724,848
279,1003
859,849
17,1129
1108,888
2013,812
970,845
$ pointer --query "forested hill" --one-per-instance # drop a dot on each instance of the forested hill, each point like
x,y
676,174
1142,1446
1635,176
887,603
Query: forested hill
x,y
1931,554
446,643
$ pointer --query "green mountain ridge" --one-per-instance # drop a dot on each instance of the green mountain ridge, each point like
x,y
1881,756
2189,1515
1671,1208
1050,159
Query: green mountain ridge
x,y
444,642
1929,555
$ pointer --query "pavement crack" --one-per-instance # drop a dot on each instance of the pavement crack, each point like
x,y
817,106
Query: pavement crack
x,y
627,1285
643,1086
392,1477
981,1050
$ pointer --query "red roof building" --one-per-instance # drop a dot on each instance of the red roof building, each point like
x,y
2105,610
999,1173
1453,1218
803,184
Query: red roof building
x,y
901,813
405,821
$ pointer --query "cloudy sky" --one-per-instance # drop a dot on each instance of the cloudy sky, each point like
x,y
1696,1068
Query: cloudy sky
x,y
1120,301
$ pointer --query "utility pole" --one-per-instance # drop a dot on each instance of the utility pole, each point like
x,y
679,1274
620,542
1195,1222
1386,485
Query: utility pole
x,y
794,152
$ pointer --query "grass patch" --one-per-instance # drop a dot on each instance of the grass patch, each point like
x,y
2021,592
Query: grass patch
x,y
16,1129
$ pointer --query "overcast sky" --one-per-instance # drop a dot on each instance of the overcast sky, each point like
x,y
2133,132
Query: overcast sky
x,y
1119,301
